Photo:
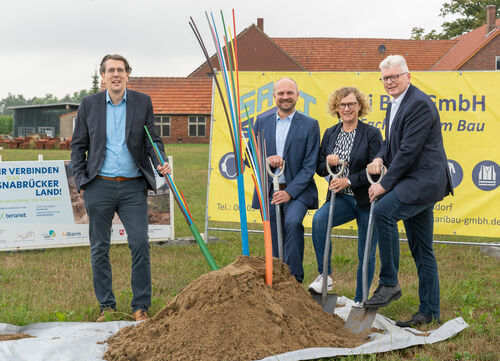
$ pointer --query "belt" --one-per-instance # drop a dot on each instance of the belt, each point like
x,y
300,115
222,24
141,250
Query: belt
x,y
282,186
116,179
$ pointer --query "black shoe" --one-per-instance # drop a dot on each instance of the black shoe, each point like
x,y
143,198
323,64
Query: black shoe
x,y
382,296
418,319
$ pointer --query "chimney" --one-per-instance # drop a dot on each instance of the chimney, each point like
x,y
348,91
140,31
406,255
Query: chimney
x,y
490,18
260,21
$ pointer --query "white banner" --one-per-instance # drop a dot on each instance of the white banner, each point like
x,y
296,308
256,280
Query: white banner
x,y
41,208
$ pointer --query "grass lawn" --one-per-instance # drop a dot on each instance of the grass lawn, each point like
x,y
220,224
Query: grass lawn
x,y
56,284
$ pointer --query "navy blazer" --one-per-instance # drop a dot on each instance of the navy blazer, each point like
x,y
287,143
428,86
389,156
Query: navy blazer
x,y
300,154
367,143
414,154
89,136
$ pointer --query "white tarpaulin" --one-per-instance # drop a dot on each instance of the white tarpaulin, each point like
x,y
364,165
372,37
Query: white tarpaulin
x,y
65,341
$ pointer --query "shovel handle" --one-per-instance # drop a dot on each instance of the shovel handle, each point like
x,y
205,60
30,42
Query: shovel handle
x,y
383,170
341,171
276,177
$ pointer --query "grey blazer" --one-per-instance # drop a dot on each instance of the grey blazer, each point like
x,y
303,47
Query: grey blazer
x,y
88,145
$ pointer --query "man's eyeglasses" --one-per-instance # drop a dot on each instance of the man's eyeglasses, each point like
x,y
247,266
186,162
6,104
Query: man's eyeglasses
x,y
120,71
347,105
392,78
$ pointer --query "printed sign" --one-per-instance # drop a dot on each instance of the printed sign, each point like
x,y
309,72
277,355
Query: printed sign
x,y
40,207
470,122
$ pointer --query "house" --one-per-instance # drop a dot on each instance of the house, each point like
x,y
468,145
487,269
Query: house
x,y
40,118
183,105
67,124
475,50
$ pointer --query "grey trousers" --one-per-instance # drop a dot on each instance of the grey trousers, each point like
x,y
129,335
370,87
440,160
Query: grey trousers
x,y
129,200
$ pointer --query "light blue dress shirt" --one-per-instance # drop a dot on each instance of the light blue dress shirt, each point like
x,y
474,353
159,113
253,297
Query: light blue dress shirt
x,y
118,161
396,102
282,128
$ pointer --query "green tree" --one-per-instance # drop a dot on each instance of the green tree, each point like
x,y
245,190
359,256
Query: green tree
x,y
96,83
472,15
10,101
76,97
5,124
47,99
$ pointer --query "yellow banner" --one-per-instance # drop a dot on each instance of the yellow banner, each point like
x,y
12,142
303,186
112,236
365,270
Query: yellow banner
x,y
469,107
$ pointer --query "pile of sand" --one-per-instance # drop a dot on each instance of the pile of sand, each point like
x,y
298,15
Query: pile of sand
x,y
230,314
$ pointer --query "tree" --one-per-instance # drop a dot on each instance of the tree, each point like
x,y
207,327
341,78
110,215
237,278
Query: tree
x,y
5,124
76,97
96,83
10,101
15,100
472,15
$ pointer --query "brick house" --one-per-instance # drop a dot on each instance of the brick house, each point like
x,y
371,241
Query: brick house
x,y
183,105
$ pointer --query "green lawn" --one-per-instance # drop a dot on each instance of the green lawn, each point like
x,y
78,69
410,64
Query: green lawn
x,y
56,284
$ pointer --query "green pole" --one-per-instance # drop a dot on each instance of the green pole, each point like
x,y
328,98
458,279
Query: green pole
x,y
203,247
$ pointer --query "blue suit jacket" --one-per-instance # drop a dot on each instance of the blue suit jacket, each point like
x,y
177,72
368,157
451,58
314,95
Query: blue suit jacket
x,y
89,136
414,154
300,155
366,144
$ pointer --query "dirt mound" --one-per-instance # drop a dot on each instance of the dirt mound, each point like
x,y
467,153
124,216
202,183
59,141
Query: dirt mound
x,y
230,314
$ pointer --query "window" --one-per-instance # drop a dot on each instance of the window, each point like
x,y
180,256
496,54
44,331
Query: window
x,y
498,63
48,131
197,126
25,131
162,125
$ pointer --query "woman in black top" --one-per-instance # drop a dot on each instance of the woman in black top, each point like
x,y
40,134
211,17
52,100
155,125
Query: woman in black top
x,y
357,143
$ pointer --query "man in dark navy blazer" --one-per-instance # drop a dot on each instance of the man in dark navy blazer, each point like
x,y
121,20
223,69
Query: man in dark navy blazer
x,y
110,155
292,137
417,177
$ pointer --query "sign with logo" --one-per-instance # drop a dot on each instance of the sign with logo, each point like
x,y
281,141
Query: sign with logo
x,y
40,207
470,124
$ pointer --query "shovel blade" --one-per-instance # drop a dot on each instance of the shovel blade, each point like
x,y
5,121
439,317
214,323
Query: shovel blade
x,y
330,303
360,319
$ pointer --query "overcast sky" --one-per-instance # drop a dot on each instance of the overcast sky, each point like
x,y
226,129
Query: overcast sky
x,y
54,46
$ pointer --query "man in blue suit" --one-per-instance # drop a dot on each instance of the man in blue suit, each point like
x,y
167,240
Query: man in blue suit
x,y
110,155
417,177
292,137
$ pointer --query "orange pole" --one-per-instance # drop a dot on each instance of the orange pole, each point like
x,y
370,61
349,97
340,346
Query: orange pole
x,y
268,247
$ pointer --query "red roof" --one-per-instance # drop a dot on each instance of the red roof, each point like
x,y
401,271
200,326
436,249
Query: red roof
x,y
467,45
362,54
176,95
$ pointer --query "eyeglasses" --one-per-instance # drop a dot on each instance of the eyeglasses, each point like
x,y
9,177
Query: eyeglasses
x,y
392,78
347,105
120,71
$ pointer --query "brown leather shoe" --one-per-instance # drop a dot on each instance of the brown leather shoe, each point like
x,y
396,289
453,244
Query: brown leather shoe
x,y
140,315
104,313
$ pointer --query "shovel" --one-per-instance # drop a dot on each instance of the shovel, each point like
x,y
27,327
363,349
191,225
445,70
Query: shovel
x,y
279,226
360,318
327,301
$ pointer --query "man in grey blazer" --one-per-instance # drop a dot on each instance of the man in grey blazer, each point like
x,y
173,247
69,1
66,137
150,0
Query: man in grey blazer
x,y
417,177
110,156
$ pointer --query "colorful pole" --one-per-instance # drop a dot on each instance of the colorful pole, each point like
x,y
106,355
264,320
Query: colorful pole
x,y
234,124
184,209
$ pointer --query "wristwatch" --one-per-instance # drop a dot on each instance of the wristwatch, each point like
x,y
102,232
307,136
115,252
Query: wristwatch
x,y
348,181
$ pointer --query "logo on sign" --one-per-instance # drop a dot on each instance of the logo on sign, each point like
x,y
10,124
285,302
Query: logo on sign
x,y
457,174
227,166
27,235
485,175
71,234
122,232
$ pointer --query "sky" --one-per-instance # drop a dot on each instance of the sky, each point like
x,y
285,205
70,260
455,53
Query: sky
x,y
54,46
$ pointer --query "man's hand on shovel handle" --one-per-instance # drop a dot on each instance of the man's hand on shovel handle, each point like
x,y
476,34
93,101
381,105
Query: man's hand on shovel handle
x,y
281,197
